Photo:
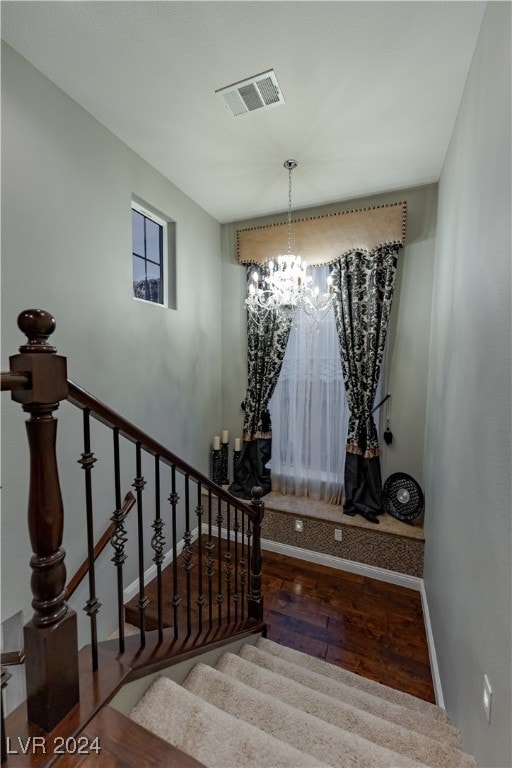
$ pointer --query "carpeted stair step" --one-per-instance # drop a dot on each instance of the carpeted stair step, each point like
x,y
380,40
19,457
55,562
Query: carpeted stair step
x,y
216,739
307,733
356,697
322,667
378,730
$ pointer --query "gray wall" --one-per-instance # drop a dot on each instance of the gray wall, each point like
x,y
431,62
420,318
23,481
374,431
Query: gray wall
x,y
409,330
66,240
468,444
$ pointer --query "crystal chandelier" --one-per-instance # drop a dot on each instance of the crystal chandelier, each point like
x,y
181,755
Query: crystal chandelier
x,y
287,288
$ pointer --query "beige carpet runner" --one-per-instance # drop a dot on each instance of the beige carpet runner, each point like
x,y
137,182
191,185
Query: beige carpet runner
x,y
272,706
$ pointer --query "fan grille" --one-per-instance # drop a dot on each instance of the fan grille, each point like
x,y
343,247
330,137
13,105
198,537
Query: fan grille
x,y
403,497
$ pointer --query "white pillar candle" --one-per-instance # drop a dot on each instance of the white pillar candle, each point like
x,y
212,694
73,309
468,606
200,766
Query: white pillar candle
x,y
216,443
225,436
237,444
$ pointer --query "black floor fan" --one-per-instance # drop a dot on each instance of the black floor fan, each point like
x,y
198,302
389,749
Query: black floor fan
x,y
403,497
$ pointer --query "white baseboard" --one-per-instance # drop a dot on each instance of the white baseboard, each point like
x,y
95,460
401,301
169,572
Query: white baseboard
x,y
371,571
434,667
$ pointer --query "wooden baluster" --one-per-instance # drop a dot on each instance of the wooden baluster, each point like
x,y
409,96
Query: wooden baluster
x,y
255,596
51,636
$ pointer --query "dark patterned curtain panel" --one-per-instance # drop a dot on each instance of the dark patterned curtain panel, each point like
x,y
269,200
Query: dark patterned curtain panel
x,y
364,283
266,344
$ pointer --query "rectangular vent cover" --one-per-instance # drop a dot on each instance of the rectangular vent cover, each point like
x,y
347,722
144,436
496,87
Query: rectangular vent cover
x,y
257,92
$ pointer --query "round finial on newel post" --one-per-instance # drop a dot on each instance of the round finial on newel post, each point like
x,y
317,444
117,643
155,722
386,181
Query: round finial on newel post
x,y
256,492
37,325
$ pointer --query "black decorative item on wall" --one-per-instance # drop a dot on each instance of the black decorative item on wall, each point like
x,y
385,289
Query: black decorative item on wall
x,y
403,497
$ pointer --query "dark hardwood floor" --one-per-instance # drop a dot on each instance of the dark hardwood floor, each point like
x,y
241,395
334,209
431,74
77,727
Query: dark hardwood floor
x,y
371,627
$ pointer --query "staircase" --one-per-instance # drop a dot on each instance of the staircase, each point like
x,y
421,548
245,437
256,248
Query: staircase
x,y
267,706
275,706
68,688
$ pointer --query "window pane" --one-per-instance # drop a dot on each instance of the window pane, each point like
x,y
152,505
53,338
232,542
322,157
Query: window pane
x,y
139,278
153,283
139,269
153,240
147,257
137,233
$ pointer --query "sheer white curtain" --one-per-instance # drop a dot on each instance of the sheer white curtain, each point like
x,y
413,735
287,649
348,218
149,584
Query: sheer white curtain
x,y
309,411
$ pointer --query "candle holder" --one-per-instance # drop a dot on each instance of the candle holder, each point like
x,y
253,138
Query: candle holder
x,y
224,460
236,459
216,466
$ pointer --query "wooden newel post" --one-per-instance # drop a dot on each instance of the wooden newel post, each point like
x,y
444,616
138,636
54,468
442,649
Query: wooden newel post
x,y
256,598
50,638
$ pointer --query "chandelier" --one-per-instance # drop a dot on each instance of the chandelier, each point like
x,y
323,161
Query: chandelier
x,y
286,288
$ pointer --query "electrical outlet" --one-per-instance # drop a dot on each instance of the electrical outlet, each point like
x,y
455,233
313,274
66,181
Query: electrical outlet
x,y
487,698
338,534
299,526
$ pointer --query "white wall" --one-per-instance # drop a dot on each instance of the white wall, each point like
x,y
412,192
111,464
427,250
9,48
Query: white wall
x,y
66,242
409,327
468,443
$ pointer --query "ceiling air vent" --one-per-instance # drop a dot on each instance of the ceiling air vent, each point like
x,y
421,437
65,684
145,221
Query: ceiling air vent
x,y
257,92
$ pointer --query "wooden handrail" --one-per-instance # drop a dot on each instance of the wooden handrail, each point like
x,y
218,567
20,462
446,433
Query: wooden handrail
x,y
106,415
12,380
12,658
73,583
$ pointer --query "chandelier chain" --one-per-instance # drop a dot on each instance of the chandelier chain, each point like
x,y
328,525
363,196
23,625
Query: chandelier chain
x,y
290,169
286,288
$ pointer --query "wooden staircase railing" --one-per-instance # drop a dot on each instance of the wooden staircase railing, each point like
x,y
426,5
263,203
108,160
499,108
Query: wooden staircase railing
x,y
224,596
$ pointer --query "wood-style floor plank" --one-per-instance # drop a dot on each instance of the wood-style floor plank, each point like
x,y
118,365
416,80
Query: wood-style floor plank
x,y
371,627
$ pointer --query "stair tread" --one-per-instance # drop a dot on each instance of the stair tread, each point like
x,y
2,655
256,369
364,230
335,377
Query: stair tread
x,y
125,744
356,697
321,666
331,744
273,705
209,735
428,750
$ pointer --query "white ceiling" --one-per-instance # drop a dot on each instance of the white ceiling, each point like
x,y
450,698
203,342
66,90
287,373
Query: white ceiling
x,y
372,89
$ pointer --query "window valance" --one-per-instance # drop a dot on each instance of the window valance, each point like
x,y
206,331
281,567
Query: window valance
x,y
326,238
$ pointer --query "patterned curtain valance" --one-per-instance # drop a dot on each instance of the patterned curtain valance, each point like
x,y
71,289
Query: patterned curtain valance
x,y
324,239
